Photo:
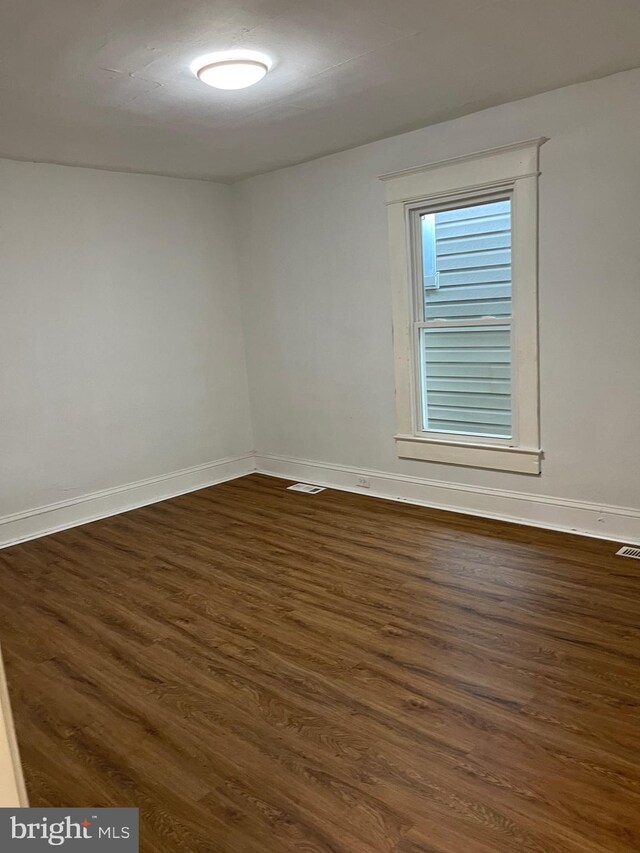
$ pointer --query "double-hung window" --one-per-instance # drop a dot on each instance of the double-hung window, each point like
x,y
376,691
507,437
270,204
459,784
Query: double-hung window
x,y
463,241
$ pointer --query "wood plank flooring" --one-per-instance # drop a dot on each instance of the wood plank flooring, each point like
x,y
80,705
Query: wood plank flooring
x,y
266,671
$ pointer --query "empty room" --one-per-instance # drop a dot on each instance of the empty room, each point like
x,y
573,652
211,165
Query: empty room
x,y
320,426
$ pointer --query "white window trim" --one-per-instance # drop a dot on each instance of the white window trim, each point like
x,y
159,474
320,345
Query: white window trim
x,y
509,170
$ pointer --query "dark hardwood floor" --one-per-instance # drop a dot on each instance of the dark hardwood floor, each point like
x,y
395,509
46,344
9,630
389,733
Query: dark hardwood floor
x,y
266,671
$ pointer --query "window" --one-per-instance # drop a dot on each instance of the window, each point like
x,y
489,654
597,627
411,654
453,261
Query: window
x,y
463,241
463,323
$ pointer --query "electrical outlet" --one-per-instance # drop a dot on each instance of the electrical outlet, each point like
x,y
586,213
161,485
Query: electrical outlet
x,y
363,482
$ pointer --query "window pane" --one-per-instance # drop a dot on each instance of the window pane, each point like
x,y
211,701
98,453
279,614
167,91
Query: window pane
x,y
466,380
466,256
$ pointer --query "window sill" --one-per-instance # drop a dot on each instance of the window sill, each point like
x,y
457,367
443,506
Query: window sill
x,y
492,456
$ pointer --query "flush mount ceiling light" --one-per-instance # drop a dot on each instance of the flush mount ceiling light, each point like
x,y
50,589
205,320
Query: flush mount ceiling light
x,y
231,69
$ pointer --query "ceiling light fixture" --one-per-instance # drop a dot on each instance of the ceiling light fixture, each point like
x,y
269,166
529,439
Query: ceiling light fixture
x,y
231,69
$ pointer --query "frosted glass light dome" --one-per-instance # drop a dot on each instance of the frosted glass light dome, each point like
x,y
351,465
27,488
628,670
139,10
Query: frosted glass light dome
x,y
231,69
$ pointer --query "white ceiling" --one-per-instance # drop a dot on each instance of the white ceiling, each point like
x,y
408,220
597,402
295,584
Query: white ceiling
x,y
107,83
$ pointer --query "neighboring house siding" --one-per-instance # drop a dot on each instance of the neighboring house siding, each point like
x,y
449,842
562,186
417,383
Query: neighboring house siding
x,y
467,370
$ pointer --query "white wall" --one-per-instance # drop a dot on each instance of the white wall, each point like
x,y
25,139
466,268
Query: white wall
x,y
122,341
121,350
317,306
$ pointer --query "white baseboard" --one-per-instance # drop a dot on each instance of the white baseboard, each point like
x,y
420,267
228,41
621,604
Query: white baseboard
x,y
619,524
588,519
43,520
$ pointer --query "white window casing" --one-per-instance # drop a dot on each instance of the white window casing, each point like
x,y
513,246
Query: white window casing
x,y
509,172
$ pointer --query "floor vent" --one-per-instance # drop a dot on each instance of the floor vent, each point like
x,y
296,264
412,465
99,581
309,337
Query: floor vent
x,y
304,487
629,552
